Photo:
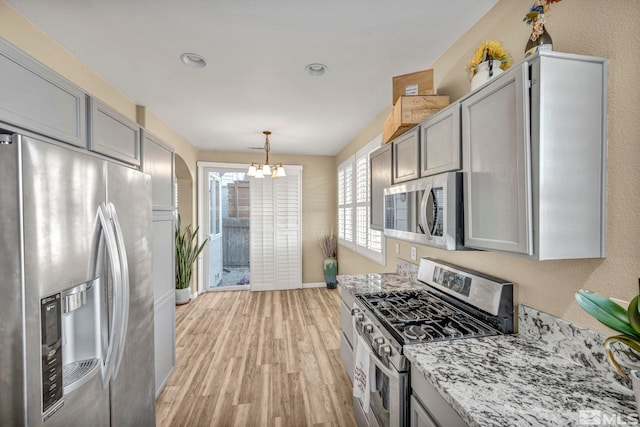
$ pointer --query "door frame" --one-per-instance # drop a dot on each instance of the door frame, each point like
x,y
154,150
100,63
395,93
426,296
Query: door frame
x,y
203,218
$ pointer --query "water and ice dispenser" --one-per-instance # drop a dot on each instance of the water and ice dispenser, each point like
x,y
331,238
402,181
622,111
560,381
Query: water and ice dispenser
x,y
71,340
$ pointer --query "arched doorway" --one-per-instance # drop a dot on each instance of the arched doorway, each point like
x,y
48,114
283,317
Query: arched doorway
x,y
184,190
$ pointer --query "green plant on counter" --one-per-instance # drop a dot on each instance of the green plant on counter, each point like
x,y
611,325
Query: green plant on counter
x,y
187,251
613,315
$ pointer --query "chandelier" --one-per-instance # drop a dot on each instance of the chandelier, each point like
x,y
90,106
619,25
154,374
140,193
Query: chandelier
x,y
266,169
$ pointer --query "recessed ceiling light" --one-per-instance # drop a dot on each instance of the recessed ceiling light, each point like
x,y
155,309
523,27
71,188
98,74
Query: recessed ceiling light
x,y
193,60
316,70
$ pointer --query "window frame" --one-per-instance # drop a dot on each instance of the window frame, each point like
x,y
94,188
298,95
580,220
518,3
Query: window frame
x,y
350,202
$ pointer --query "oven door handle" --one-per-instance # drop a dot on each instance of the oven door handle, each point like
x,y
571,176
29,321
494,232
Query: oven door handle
x,y
391,373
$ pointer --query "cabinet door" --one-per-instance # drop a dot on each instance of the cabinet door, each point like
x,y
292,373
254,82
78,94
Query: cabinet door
x,y
380,167
440,140
406,158
418,416
158,162
164,327
163,277
37,99
112,134
497,149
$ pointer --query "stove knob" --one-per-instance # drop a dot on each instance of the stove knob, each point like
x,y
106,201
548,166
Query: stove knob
x,y
379,341
354,311
368,328
386,350
359,317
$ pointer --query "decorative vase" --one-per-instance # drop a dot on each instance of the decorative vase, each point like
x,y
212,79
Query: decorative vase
x,y
183,296
542,43
485,71
330,272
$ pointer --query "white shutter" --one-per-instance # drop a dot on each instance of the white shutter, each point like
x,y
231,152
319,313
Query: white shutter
x,y
276,248
354,230
346,203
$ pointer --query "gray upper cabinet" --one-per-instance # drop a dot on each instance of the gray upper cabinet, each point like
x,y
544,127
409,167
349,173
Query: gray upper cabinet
x,y
112,134
380,163
158,162
497,184
440,139
406,156
37,99
534,155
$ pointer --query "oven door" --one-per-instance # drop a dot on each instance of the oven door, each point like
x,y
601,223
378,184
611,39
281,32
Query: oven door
x,y
389,397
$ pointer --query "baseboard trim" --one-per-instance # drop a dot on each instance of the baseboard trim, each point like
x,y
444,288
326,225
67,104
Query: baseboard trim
x,y
314,285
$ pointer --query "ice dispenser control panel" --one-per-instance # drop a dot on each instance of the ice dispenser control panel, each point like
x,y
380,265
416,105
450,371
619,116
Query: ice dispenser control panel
x,y
51,332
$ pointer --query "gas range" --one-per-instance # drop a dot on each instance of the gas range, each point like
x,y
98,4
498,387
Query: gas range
x,y
454,303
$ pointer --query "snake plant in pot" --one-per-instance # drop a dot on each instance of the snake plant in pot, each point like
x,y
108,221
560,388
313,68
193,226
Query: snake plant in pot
x,y
623,320
187,251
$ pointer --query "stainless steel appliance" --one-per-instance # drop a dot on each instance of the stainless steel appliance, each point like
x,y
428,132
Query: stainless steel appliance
x,y
455,303
76,324
427,211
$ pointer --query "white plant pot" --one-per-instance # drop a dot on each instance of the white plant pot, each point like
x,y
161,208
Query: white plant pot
x,y
484,72
183,296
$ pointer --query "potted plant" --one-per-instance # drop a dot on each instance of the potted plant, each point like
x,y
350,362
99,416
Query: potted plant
x,y
187,251
489,60
627,322
329,246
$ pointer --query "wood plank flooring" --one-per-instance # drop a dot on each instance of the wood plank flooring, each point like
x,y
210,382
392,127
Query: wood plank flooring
x,y
258,359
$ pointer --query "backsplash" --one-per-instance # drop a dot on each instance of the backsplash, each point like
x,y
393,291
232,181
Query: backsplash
x,y
580,344
404,268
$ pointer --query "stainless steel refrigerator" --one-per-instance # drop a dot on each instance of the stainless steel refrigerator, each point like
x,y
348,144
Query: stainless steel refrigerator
x,y
76,316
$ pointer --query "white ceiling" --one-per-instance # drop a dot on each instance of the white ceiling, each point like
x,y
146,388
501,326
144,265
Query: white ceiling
x,y
257,51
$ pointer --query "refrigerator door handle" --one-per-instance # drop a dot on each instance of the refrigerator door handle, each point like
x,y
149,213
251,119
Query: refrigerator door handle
x,y
103,231
124,284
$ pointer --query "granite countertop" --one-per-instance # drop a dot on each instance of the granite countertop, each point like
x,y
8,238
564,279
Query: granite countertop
x,y
384,282
511,380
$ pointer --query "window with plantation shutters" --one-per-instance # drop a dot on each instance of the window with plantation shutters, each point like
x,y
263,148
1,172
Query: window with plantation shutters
x,y
276,239
354,230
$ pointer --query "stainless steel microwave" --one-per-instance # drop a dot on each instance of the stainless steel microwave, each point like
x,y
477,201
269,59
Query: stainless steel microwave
x,y
426,211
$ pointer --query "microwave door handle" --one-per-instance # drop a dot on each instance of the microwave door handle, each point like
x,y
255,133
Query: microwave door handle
x,y
424,225
103,227
124,286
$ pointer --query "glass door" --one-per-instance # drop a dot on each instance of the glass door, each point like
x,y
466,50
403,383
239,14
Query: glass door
x,y
225,220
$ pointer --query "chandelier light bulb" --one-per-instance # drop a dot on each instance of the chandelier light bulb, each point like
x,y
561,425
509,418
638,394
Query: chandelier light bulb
x,y
275,170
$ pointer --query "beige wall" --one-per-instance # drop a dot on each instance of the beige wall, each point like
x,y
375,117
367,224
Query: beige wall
x,y
609,29
318,200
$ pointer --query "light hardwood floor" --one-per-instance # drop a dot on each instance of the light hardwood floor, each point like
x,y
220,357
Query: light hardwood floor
x,y
258,359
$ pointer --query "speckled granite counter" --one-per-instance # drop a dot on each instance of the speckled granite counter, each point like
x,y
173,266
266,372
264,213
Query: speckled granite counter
x,y
404,278
367,283
525,380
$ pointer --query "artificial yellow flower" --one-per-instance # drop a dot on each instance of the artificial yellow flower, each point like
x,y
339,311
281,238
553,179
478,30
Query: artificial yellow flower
x,y
489,49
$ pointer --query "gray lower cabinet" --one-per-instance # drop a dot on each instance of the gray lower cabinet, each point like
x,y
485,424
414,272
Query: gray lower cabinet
x,y
427,408
534,155
163,276
347,334
37,99
164,340
113,134
380,164
440,149
406,156
158,161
